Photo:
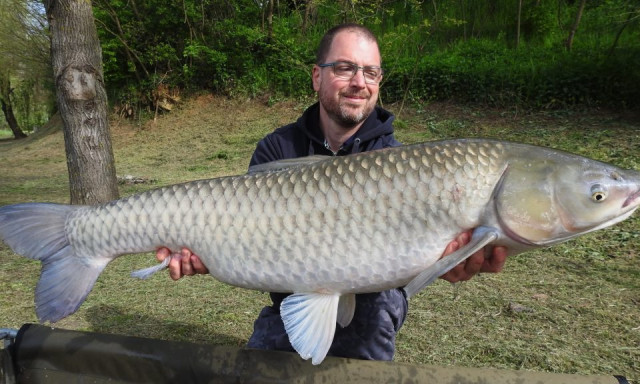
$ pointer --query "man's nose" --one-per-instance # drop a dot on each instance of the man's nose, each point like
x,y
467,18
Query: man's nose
x,y
358,79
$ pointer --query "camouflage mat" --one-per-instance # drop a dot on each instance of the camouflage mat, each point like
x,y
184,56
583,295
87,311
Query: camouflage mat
x,y
40,354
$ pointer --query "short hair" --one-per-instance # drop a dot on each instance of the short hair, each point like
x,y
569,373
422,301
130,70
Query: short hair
x,y
327,39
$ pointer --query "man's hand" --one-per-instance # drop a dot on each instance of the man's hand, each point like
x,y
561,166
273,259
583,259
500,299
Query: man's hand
x,y
185,263
475,264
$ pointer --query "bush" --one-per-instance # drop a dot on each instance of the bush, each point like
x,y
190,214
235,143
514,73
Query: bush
x,y
484,71
462,51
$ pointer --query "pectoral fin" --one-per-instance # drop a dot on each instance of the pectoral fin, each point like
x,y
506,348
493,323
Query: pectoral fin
x,y
310,322
146,273
481,237
346,309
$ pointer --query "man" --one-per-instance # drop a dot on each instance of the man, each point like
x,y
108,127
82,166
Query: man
x,y
345,120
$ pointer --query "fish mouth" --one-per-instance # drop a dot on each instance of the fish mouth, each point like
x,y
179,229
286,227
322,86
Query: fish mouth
x,y
633,199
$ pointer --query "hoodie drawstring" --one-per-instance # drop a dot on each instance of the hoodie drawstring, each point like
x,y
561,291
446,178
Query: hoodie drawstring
x,y
311,150
355,148
356,145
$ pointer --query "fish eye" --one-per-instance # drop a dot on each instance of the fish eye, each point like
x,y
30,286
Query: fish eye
x,y
598,196
598,193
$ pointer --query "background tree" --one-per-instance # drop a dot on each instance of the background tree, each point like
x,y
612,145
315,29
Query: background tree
x,y
24,66
7,105
576,23
82,101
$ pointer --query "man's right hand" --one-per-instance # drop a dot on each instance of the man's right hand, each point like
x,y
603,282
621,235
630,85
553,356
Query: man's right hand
x,y
185,263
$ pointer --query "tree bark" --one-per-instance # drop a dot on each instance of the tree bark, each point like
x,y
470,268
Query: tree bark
x,y
309,8
82,101
574,27
270,21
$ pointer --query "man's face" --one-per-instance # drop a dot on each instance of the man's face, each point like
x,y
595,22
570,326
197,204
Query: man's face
x,y
347,102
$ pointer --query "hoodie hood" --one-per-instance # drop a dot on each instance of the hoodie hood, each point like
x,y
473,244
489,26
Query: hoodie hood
x,y
376,126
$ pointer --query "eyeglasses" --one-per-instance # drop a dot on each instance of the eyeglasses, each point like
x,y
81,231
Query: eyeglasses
x,y
346,71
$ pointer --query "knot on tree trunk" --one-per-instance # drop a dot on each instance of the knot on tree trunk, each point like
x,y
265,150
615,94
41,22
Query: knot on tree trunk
x,y
79,83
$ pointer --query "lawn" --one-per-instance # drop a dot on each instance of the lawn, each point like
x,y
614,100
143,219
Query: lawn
x,y
572,308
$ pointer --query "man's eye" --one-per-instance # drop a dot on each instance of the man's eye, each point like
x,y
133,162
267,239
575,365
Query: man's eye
x,y
372,73
344,68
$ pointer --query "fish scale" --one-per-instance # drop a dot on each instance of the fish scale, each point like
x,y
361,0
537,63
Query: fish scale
x,y
328,228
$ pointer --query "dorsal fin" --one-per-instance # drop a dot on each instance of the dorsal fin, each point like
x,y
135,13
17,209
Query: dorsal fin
x,y
280,165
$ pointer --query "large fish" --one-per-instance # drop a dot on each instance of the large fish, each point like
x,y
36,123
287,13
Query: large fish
x,y
326,229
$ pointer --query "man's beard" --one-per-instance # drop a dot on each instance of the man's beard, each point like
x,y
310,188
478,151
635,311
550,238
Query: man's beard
x,y
340,112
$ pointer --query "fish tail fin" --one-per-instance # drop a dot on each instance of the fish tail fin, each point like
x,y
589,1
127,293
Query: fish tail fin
x,y
37,231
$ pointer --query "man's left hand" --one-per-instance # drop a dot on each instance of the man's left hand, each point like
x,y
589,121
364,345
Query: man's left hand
x,y
481,261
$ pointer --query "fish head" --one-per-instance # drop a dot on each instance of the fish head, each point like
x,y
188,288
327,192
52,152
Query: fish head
x,y
548,200
595,197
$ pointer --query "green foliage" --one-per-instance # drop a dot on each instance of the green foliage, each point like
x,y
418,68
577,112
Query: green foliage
x,y
33,104
204,65
26,84
540,23
485,71
465,51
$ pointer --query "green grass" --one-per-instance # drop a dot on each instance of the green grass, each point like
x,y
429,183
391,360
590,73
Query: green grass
x,y
573,308
5,134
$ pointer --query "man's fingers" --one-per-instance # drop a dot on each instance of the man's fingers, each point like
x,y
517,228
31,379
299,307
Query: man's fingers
x,y
198,266
463,239
451,247
175,266
495,263
473,265
162,253
453,276
187,268
476,263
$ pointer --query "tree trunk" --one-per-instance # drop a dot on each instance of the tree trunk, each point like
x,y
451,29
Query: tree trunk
x,y
464,20
270,21
82,101
308,11
615,41
11,120
574,27
7,107
518,27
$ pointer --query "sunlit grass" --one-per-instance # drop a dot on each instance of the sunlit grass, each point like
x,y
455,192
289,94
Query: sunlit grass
x,y
5,134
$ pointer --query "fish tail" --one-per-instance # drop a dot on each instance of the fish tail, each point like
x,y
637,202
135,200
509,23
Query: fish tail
x,y
37,231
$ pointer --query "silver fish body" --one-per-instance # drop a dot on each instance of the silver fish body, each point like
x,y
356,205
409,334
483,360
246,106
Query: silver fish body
x,y
336,225
330,228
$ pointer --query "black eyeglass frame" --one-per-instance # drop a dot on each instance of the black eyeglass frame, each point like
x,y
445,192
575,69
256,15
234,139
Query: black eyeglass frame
x,y
354,69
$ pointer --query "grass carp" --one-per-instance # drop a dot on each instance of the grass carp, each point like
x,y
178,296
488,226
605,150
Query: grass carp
x,y
328,228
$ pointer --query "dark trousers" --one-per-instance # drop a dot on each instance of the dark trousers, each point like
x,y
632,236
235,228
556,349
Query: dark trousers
x,y
370,336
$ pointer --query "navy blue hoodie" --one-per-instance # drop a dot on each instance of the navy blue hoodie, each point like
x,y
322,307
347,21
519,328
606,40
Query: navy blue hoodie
x,y
305,138
378,316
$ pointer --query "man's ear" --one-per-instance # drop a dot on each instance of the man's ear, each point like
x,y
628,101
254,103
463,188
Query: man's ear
x,y
315,77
